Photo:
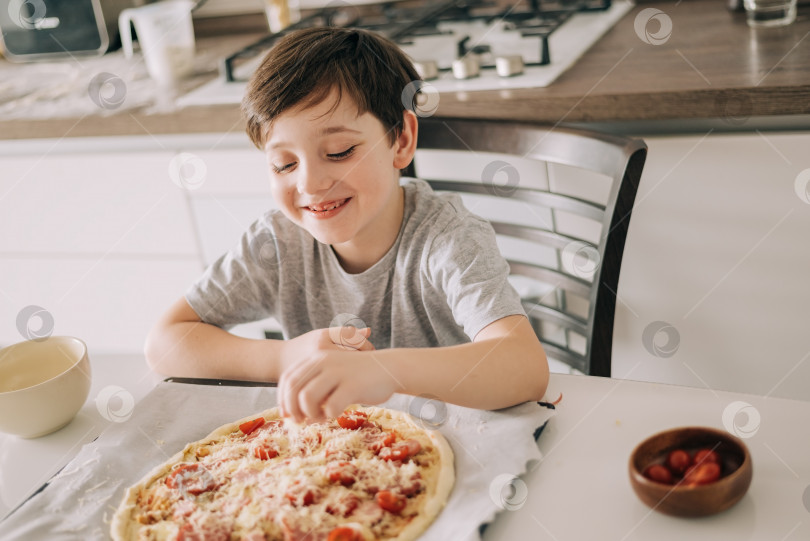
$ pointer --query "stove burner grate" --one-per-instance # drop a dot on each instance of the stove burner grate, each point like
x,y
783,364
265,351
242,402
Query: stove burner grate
x,y
530,19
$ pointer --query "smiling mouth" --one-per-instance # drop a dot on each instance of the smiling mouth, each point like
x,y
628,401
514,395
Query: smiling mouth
x,y
331,205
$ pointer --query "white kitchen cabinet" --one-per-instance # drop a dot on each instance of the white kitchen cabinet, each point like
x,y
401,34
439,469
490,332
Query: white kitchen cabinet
x,y
93,204
234,194
103,233
236,191
95,232
110,303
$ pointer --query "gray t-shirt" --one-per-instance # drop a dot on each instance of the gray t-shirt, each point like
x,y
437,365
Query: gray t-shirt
x,y
441,282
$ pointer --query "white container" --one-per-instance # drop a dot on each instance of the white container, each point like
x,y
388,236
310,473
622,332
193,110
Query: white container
x,y
166,35
43,384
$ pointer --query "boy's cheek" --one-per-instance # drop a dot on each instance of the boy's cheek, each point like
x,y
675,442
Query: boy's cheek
x,y
281,191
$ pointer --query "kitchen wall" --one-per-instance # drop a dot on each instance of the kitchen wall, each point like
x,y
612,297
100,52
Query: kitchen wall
x,y
717,262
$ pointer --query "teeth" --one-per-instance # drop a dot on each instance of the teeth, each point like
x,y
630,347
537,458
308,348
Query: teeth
x,y
334,205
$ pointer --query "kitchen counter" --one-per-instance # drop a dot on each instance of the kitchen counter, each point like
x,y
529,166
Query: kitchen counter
x,y
712,67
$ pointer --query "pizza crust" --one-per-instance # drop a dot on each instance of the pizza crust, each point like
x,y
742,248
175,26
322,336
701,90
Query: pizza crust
x,y
124,526
444,483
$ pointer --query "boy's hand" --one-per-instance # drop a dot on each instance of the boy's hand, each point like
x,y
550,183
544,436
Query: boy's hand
x,y
318,341
327,376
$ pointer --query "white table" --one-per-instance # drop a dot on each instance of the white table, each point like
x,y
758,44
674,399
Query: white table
x,y
579,491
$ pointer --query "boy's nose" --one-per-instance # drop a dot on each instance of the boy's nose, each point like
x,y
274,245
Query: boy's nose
x,y
313,180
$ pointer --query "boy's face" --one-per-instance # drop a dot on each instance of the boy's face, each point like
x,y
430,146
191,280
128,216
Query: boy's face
x,y
335,173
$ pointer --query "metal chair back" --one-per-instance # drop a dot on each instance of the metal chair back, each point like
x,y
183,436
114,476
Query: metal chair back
x,y
570,246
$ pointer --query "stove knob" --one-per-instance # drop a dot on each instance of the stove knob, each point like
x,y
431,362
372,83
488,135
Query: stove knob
x,y
507,66
427,69
466,68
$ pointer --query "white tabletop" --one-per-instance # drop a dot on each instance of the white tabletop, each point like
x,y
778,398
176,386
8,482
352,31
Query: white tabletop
x,y
579,491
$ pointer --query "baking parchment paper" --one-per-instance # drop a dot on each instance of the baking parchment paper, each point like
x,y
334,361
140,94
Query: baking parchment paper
x,y
491,448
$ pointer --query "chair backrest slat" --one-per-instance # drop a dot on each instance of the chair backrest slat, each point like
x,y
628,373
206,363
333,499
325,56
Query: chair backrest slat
x,y
541,236
555,277
574,360
556,317
538,197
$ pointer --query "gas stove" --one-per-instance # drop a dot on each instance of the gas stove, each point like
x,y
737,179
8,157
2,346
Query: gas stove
x,y
456,45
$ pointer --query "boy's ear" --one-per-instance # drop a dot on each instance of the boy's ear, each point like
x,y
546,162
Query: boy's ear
x,y
405,144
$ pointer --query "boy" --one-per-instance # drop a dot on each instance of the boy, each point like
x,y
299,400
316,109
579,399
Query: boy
x,y
423,273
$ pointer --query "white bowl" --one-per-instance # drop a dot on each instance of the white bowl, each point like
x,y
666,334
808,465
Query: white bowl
x,y
43,384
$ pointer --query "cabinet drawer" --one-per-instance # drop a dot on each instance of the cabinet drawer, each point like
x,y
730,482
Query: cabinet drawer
x,y
118,203
111,304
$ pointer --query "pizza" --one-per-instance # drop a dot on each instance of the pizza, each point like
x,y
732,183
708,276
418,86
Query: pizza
x,y
371,473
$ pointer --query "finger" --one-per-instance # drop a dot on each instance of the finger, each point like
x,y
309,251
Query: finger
x,y
280,394
367,346
337,402
296,379
314,394
281,387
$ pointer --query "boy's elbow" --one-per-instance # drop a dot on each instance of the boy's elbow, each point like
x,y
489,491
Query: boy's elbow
x,y
542,375
152,350
537,372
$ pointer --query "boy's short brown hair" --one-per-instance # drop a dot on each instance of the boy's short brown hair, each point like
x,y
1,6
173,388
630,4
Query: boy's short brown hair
x,y
306,65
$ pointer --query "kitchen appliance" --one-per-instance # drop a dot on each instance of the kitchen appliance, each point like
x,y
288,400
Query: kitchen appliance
x,y
457,45
36,30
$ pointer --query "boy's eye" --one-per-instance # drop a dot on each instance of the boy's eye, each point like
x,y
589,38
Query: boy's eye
x,y
283,168
345,154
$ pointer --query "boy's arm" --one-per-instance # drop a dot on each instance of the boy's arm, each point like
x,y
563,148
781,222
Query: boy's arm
x,y
180,344
504,365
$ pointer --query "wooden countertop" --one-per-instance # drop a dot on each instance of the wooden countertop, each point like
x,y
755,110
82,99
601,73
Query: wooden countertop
x,y
713,66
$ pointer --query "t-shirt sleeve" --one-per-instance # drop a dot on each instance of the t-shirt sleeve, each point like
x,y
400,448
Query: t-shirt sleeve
x,y
241,285
465,263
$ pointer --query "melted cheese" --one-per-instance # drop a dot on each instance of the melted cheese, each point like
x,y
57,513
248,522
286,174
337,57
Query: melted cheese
x,y
272,495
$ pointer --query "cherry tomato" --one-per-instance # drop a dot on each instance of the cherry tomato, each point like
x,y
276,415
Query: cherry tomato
x,y
702,474
264,452
706,455
391,501
400,451
386,439
659,474
191,478
249,426
342,472
352,419
345,533
678,461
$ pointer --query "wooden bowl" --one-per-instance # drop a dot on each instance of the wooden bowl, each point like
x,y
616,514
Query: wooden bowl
x,y
681,500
